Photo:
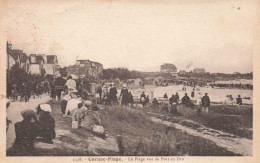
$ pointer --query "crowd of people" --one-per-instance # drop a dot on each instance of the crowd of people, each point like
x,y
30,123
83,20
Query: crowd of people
x,y
36,125
78,104
29,87
39,125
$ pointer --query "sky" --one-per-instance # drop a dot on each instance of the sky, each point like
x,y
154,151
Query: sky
x,y
139,35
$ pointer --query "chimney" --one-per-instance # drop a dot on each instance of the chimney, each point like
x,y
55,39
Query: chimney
x,y
9,45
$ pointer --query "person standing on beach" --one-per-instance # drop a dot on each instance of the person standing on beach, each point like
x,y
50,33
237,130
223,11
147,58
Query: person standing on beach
x,y
205,102
124,95
239,100
71,84
172,99
112,95
142,99
59,85
177,98
165,97
130,98
186,100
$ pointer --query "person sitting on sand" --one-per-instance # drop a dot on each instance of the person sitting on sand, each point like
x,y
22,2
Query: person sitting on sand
x,y
91,118
72,103
229,100
46,122
79,113
155,103
25,131
239,100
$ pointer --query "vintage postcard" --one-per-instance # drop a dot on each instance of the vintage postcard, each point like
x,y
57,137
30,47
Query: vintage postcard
x,y
129,80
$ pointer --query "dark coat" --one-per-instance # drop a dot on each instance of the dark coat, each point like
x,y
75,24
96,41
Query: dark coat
x,y
155,103
186,100
239,101
124,94
205,101
172,99
177,98
142,97
112,93
25,132
47,124
130,98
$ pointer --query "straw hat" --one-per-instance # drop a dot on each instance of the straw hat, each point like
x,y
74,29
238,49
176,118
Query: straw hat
x,y
74,91
46,107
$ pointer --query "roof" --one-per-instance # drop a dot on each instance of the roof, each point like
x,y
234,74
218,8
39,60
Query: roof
x,y
38,59
14,53
23,57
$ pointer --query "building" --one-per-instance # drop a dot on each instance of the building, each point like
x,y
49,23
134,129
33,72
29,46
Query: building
x,y
25,63
50,64
13,56
86,67
36,64
199,70
182,72
168,68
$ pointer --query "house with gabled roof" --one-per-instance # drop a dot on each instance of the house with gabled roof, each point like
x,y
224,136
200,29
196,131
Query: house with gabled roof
x,y
24,62
50,65
13,56
36,64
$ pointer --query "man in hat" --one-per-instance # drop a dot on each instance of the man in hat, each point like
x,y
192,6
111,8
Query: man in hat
x,y
124,95
205,102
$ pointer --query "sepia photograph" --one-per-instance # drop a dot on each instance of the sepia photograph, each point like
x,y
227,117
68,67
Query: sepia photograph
x,y
128,78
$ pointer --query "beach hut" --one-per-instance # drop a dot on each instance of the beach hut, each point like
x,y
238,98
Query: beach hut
x,y
116,82
149,80
138,82
158,80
